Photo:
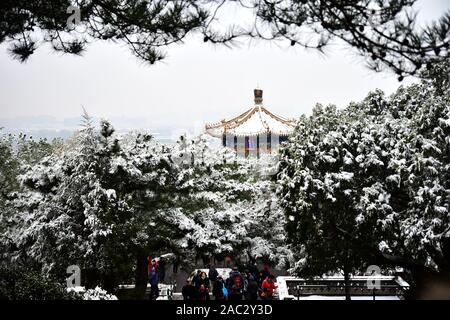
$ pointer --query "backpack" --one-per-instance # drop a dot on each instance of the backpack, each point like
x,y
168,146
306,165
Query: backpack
x,y
225,292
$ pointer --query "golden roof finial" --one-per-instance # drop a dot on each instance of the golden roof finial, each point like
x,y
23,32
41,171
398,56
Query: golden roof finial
x,y
258,96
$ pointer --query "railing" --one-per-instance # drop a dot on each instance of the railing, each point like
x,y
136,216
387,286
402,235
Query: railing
x,y
166,291
339,290
330,287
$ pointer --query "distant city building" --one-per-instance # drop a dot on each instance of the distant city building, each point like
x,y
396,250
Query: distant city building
x,y
255,131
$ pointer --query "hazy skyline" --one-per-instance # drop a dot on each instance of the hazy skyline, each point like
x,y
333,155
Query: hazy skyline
x,y
196,83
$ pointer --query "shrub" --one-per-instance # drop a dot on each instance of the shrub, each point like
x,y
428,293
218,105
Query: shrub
x,y
20,283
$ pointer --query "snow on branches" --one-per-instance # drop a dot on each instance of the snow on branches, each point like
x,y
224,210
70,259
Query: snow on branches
x,y
105,199
370,181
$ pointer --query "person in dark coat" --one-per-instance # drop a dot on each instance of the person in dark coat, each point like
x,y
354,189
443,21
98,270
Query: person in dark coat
x,y
161,270
153,280
252,288
202,280
217,290
196,279
253,270
212,274
188,291
235,285
203,293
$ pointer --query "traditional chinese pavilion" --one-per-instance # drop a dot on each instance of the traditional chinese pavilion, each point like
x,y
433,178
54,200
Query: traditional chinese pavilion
x,y
255,131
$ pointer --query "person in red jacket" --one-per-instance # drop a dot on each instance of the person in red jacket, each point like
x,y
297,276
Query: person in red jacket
x,y
152,265
267,288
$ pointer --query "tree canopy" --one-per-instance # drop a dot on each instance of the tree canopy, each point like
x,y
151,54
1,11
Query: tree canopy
x,y
370,183
105,202
382,31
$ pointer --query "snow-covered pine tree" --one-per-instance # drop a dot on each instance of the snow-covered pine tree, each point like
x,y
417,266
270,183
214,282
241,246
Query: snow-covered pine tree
x,y
98,205
370,183
9,169
17,153
233,210
105,202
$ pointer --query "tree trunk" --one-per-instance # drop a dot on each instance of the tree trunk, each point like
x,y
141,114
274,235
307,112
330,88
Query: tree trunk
x,y
141,276
347,283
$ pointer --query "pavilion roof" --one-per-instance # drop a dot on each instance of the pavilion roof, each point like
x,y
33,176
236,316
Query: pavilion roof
x,y
254,121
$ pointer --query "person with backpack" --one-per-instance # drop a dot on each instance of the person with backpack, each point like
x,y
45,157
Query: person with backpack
x,y
236,285
268,287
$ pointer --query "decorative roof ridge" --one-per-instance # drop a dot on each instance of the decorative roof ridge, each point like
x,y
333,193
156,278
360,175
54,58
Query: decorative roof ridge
x,y
261,132
286,121
224,122
242,118
265,125
247,116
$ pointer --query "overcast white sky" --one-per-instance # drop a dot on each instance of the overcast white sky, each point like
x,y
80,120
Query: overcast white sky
x,y
196,83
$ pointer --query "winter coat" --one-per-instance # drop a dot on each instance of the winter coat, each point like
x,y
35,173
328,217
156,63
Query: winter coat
x,y
232,280
213,274
203,295
153,278
217,290
188,292
264,274
253,270
199,281
194,280
161,270
268,287
151,266
252,289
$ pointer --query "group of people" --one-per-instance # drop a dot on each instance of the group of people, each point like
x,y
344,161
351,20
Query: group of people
x,y
250,285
